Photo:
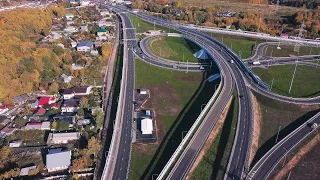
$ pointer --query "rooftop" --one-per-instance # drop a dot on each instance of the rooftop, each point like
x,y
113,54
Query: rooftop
x,y
85,43
58,158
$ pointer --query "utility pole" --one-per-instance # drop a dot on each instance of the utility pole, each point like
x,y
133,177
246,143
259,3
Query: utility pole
x,y
183,57
297,45
294,73
187,65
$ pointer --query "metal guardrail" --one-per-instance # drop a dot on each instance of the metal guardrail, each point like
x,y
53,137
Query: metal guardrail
x,y
118,115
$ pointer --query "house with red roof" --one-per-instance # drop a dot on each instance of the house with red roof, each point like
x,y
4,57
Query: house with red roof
x,y
46,100
40,111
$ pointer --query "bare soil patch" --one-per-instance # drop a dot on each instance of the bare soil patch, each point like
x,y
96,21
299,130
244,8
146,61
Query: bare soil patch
x,y
297,157
187,78
257,117
210,139
164,103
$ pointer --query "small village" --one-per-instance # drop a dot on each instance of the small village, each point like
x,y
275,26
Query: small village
x,y
54,132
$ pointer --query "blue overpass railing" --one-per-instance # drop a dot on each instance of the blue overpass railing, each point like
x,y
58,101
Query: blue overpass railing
x,y
238,60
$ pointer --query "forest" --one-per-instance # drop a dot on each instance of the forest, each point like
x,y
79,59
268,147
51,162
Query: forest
x,y
23,63
249,20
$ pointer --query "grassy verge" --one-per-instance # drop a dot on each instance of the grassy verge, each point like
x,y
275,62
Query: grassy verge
x,y
174,48
215,162
176,98
242,46
289,50
275,115
307,168
306,82
143,26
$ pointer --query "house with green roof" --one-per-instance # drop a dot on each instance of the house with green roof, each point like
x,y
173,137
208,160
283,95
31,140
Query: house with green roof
x,y
102,32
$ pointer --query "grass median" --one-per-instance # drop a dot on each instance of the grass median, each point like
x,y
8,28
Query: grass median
x,y
174,48
215,161
177,98
287,51
306,81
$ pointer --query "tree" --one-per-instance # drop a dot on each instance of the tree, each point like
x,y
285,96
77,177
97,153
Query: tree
x,y
54,125
80,112
93,146
62,125
4,152
99,117
84,102
53,88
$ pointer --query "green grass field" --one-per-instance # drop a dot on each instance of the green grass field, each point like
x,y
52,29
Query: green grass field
x,y
306,82
174,48
176,98
143,26
286,51
275,115
214,163
242,46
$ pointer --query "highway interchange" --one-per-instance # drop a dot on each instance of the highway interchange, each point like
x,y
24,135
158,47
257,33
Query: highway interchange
x,y
231,73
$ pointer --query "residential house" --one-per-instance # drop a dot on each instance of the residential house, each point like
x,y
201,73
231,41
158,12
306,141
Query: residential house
x,y
65,78
7,131
14,144
76,92
69,117
285,36
4,120
70,105
73,44
85,46
46,100
76,67
3,109
84,28
104,13
84,3
69,16
39,126
94,52
102,23
73,2
40,111
83,122
62,138
53,36
19,100
98,44
57,160
70,29
102,32
69,23
25,171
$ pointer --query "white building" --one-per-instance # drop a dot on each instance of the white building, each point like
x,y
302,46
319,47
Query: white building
x,y
76,91
146,126
71,29
62,138
85,46
69,16
57,160
70,105
15,144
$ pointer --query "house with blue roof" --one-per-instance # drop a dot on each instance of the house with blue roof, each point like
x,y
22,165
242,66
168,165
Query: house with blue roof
x,y
85,46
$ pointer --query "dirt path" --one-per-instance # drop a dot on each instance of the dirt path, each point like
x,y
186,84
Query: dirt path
x,y
297,157
210,139
257,117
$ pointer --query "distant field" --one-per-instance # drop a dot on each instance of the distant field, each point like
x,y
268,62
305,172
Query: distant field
x,y
174,48
143,26
289,50
306,82
269,11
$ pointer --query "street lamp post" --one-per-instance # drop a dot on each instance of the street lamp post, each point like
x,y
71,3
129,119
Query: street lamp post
x,y
182,134
202,106
278,134
294,73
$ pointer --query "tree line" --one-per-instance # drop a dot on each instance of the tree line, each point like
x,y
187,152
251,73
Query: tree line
x,y
249,20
